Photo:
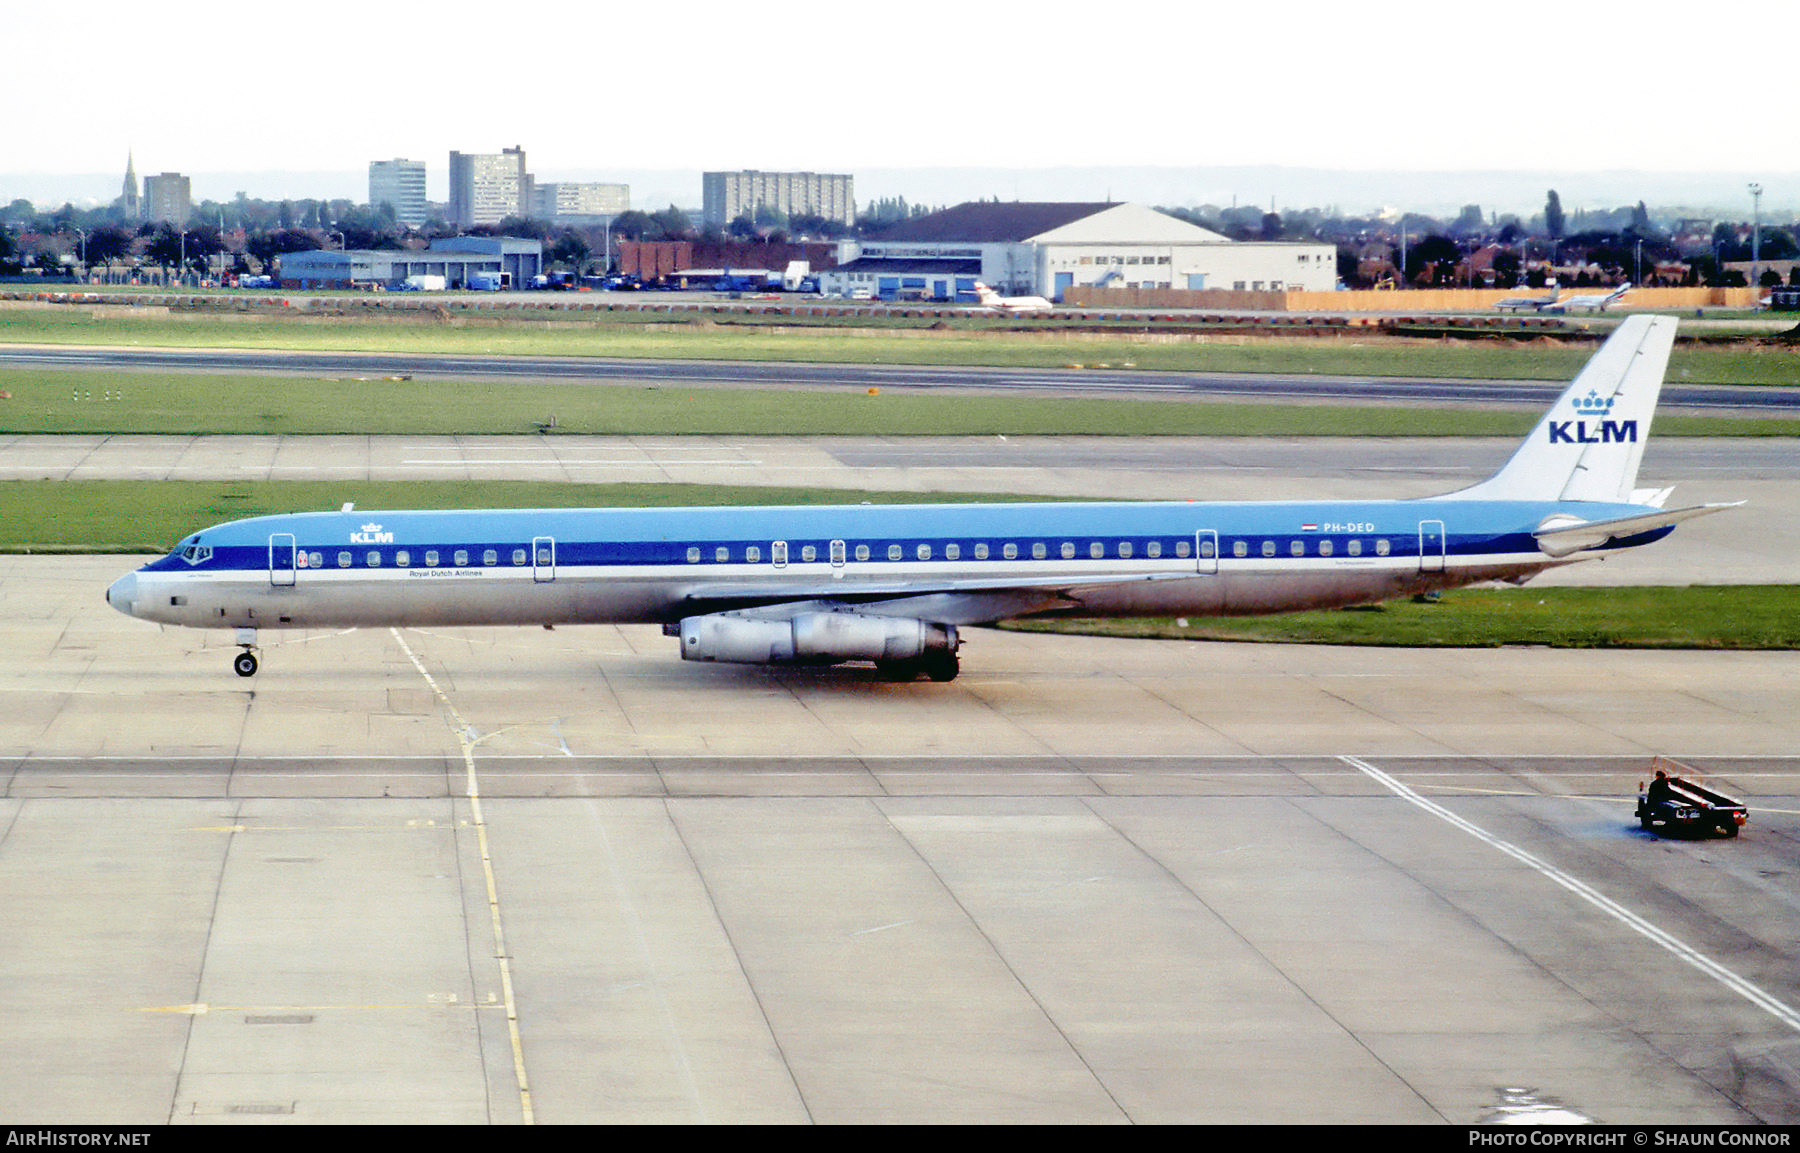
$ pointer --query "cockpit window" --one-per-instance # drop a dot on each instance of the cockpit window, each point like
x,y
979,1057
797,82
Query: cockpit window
x,y
197,553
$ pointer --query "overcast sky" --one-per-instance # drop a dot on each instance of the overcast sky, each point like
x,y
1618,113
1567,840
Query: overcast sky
x,y
219,85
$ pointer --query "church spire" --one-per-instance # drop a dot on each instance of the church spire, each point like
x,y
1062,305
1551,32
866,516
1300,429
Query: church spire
x,y
130,201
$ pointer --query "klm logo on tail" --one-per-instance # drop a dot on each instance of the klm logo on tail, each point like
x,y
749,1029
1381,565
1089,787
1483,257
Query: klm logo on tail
x,y
1603,431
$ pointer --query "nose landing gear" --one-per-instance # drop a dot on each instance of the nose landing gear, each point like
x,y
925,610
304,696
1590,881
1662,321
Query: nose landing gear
x,y
244,664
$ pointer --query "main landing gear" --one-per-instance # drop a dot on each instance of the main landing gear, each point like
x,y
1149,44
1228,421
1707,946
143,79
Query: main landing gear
x,y
244,664
937,664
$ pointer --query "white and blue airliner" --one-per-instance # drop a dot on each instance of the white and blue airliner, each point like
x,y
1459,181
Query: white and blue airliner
x,y
894,584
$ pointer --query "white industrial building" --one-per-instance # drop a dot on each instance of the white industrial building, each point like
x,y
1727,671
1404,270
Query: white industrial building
x,y
1043,249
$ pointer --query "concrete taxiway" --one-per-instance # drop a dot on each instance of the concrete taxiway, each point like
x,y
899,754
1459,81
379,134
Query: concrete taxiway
x,y
511,875
479,876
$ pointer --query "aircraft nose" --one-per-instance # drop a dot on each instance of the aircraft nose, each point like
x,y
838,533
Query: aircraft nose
x,y
122,593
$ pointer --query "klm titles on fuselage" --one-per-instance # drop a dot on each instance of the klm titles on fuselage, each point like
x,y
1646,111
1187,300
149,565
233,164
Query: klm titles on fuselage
x,y
371,534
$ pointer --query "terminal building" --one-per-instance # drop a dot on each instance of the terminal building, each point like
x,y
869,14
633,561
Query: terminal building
x,y
464,262
1044,249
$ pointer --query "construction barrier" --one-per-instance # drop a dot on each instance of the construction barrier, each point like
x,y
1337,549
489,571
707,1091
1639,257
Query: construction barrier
x,y
1424,300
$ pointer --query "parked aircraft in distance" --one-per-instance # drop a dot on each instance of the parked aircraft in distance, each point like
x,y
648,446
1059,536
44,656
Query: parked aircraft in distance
x,y
894,584
1534,303
1593,302
991,299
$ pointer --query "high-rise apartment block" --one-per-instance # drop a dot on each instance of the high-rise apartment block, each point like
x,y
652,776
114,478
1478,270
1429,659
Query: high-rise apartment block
x,y
573,202
729,195
167,199
400,183
486,188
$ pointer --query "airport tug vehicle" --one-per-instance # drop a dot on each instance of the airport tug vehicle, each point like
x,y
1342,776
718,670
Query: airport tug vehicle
x,y
1674,806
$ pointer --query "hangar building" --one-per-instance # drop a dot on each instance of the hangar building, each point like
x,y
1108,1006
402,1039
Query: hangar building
x,y
511,261
1041,249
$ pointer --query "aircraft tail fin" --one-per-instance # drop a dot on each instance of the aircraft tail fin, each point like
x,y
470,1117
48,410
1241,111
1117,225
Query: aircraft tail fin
x,y
1588,446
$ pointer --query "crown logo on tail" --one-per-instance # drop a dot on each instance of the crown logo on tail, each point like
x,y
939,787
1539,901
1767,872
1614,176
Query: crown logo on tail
x,y
1593,404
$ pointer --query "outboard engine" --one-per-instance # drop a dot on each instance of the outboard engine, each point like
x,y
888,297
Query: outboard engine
x,y
903,647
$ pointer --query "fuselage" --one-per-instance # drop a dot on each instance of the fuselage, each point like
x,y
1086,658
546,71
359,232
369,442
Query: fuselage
x,y
562,566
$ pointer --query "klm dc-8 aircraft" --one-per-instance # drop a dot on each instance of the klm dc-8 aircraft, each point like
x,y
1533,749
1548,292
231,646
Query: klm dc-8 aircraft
x,y
893,584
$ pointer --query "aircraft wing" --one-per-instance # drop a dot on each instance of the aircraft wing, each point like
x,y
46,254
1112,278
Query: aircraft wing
x,y
959,602
1564,536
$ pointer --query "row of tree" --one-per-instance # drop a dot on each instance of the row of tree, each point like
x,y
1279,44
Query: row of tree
x,y
1626,240
375,226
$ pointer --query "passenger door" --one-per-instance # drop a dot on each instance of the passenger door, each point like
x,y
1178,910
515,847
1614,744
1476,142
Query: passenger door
x,y
1206,550
1431,546
282,565
543,559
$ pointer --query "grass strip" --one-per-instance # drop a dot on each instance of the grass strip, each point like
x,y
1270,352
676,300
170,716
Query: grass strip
x,y
47,401
1694,617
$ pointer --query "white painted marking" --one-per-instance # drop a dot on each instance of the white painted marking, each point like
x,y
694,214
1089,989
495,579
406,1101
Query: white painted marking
x,y
578,462
465,737
1781,1011
880,928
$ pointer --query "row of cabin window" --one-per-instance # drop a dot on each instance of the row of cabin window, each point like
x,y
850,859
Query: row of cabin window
x,y
403,558
1153,550
1297,547
778,552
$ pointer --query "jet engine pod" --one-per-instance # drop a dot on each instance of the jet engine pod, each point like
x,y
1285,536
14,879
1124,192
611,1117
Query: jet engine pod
x,y
812,638
855,637
739,640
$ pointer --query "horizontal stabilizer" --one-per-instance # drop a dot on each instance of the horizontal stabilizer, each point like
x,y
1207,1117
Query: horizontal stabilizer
x,y
1563,536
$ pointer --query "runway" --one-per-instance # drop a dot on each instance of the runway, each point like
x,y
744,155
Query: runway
x,y
508,875
1324,388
